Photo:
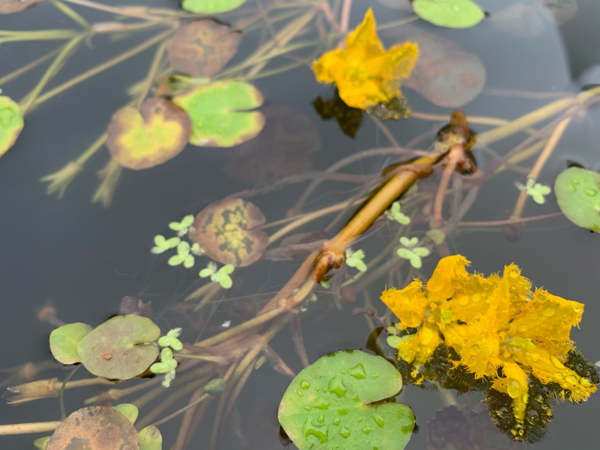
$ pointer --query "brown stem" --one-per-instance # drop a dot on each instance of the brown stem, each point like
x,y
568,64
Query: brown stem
x,y
296,331
28,428
498,223
187,420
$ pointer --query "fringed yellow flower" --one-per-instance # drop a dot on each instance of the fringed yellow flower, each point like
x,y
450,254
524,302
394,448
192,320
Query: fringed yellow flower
x,y
498,328
364,73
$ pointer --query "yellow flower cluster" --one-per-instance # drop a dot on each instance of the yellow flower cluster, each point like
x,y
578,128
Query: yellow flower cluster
x,y
492,323
364,73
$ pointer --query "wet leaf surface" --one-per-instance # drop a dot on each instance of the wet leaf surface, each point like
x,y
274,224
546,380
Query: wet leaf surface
x,y
147,138
202,48
288,144
11,122
444,74
13,6
578,195
459,427
449,13
218,113
224,230
347,117
95,428
119,348
150,439
211,6
64,341
329,405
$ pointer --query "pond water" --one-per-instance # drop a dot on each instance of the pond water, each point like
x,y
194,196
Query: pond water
x,y
85,258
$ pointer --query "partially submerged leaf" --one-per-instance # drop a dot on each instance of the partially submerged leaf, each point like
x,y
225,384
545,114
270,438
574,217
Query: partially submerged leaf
x,y
202,48
139,141
11,120
444,74
42,443
578,195
288,144
95,428
210,6
224,230
218,113
449,13
150,438
347,117
524,20
329,405
64,341
562,10
120,348
129,410
13,6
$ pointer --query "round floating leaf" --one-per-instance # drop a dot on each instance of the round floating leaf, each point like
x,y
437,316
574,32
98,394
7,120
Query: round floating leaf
x,y
329,405
41,443
449,13
210,6
95,428
288,145
11,121
202,48
150,438
578,195
120,348
13,6
216,110
224,230
128,410
64,341
139,141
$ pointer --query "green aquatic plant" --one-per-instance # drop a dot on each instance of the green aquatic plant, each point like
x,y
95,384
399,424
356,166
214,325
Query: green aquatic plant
x,y
171,340
11,123
449,13
339,402
182,227
412,253
64,341
162,244
394,214
220,276
183,256
537,191
437,236
355,259
166,366
578,195
211,6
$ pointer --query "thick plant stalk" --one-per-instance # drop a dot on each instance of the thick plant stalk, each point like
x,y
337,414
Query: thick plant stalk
x,y
28,428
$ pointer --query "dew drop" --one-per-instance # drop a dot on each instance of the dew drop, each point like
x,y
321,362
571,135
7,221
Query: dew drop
x,y
367,429
556,362
463,300
590,192
321,418
358,372
308,408
321,404
379,420
342,412
514,389
300,393
200,124
336,421
319,431
533,417
474,349
337,386
548,311
534,356
575,181
344,432
304,384
572,379
343,372
570,187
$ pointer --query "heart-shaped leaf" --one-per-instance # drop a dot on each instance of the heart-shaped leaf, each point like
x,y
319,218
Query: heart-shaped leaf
x,y
217,113
578,195
139,141
95,428
11,121
129,410
202,48
120,348
150,438
224,230
64,341
210,6
449,13
329,405
13,6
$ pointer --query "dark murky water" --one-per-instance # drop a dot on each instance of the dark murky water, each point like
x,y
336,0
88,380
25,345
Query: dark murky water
x,y
86,258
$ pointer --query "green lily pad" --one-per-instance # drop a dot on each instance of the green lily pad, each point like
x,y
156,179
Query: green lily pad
x,y
210,6
120,348
129,410
202,48
217,113
95,428
329,405
150,438
449,13
149,137
11,121
578,195
41,443
64,341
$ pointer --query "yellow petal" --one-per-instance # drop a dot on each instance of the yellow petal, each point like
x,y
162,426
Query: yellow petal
x,y
447,277
408,304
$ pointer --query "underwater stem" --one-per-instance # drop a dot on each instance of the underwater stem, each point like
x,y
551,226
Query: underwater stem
x,y
28,428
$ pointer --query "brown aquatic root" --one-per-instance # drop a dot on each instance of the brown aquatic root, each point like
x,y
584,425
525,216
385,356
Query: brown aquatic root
x,y
278,363
186,422
198,418
296,330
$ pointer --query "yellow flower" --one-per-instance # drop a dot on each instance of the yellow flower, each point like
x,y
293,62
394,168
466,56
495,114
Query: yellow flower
x,y
491,323
364,73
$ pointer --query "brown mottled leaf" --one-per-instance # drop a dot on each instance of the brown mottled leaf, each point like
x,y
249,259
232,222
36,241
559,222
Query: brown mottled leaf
x,y
140,141
13,6
202,48
224,230
287,145
95,428
444,74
